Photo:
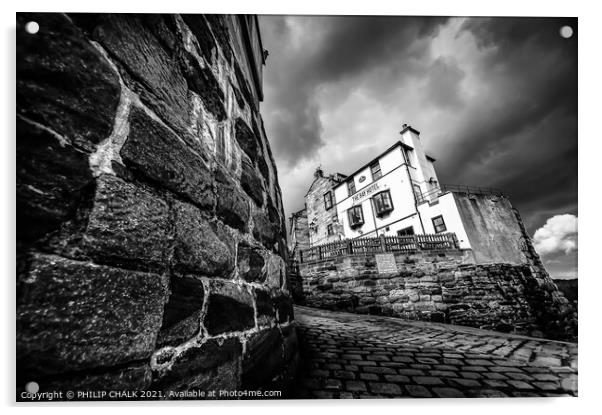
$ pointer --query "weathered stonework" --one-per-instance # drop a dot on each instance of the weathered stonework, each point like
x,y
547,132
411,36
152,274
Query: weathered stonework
x,y
318,216
150,230
447,287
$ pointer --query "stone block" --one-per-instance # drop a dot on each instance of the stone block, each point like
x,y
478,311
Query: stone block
x,y
232,205
247,140
199,27
127,225
251,263
74,315
265,307
263,358
158,154
250,182
201,246
265,230
63,82
181,317
203,82
148,65
230,308
213,364
53,178
276,272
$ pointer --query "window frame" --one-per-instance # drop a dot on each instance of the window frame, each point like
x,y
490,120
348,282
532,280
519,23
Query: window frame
x,y
442,224
329,229
328,199
406,155
380,213
350,186
411,227
379,171
353,224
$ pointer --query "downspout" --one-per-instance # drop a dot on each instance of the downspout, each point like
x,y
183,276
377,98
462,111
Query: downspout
x,y
414,194
374,218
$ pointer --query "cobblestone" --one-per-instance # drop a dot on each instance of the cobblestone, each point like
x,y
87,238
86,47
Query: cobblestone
x,y
361,356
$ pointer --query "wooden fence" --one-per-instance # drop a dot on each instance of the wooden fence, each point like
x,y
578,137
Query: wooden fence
x,y
409,243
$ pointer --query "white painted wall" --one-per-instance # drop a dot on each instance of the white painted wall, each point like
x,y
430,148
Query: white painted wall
x,y
398,178
395,179
449,210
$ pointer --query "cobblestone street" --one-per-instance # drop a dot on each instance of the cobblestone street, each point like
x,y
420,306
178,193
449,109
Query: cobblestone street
x,y
362,356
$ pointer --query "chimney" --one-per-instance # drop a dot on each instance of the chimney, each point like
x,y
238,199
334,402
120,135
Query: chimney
x,y
405,127
319,172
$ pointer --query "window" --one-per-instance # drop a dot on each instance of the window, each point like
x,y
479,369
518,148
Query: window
x,y
408,155
356,216
375,170
351,186
328,200
330,230
406,231
439,224
383,203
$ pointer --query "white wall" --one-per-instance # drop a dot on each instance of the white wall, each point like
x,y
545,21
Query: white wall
x,y
395,179
449,210
424,169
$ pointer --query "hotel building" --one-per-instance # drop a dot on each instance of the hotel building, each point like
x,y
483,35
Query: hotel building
x,y
398,193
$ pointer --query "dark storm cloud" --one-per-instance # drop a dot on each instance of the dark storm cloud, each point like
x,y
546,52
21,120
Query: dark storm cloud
x,y
337,48
443,83
533,72
495,99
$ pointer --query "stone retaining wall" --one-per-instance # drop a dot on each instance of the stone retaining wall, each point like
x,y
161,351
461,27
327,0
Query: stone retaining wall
x,y
150,231
445,286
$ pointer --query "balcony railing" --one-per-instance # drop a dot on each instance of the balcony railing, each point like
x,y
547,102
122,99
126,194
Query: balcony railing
x,y
444,188
409,243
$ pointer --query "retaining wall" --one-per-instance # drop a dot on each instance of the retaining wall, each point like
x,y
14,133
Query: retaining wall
x,y
443,286
150,231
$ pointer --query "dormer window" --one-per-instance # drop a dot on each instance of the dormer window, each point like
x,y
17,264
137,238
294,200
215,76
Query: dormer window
x,y
351,187
375,170
356,216
383,203
328,202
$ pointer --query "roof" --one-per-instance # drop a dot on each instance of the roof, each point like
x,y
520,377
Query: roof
x,y
332,177
393,147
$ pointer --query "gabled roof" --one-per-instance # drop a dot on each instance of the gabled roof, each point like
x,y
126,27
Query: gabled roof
x,y
335,178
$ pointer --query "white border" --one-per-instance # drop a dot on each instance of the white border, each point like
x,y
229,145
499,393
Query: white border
x,y
589,217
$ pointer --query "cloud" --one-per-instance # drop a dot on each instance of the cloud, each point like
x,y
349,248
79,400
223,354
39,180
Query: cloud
x,y
312,54
494,98
557,236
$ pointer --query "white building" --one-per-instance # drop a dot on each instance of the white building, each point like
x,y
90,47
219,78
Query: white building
x,y
397,193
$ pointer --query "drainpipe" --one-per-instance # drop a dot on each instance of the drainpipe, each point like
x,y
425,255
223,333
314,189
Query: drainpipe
x,y
415,199
374,218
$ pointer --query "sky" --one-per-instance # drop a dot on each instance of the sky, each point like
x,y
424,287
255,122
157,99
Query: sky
x,y
495,101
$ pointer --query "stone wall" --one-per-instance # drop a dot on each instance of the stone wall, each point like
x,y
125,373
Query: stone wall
x,y
318,216
151,242
494,229
443,286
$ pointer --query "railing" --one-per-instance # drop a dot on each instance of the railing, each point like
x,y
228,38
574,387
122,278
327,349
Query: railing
x,y
444,188
409,243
